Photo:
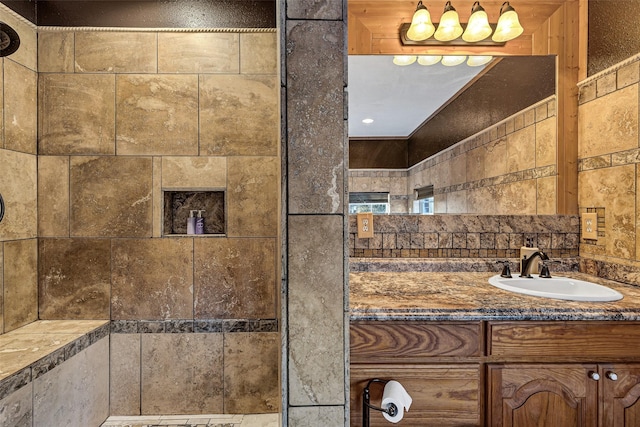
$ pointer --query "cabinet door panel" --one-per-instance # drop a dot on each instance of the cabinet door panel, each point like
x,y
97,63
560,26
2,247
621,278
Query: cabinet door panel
x,y
522,395
621,397
443,395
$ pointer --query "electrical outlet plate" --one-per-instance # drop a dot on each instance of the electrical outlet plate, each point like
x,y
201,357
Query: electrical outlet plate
x,y
589,229
365,225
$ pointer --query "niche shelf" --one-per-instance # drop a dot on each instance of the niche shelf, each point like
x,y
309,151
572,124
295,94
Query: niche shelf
x,y
178,204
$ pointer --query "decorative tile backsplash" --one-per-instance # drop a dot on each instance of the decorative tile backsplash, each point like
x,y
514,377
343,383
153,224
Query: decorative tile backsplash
x,y
465,236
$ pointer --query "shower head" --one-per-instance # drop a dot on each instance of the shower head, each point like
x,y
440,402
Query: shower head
x,y
9,40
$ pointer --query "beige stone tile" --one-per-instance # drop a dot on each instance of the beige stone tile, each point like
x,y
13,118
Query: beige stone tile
x,y
546,142
74,279
316,316
495,163
521,150
124,374
628,75
475,163
316,416
16,409
251,376
157,114
458,169
18,188
235,278
194,172
239,115
253,196
457,202
182,374
152,279
20,283
258,53
440,203
608,124
111,196
21,350
27,53
309,9
55,51
517,198
53,196
614,189
20,108
261,420
115,52
158,199
198,53
76,393
75,328
546,196
76,114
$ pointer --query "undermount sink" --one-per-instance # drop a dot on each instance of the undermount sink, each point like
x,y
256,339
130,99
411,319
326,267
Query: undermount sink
x,y
556,287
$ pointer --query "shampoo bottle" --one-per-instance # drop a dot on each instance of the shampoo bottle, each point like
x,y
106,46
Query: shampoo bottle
x,y
191,223
200,223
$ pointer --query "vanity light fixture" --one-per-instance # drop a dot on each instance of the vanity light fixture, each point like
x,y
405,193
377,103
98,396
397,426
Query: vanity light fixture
x,y
478,27
449,31
429,59
421,27
403,60
449,27
508,24
452,60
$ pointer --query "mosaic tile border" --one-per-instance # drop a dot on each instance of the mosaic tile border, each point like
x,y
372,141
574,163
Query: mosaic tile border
x,y
186,326
621,158
541,172
40,367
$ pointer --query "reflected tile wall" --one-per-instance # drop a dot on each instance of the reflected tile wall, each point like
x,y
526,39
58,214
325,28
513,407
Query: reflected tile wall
x,y
20,283
509,168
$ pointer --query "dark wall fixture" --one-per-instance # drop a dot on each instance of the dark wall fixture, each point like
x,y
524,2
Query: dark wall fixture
x,y
614,33
1,208
149,13
9,40
380,153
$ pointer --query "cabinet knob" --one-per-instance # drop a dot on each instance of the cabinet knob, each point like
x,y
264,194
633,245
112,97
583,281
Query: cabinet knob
x,y
594,376
612,376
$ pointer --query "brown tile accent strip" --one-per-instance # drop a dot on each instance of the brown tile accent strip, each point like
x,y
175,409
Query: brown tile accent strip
x,y
185,326
540,172
51,361
611,271
627,157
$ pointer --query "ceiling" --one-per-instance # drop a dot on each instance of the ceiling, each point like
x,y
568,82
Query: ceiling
x,y
400,99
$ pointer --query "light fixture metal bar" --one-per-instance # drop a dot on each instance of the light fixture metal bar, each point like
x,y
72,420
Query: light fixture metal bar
x,y
433,42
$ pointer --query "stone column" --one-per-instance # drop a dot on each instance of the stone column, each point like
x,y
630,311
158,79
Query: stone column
x,y
315,290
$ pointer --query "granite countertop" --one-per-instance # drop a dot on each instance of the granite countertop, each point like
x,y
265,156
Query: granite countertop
x,y
469,296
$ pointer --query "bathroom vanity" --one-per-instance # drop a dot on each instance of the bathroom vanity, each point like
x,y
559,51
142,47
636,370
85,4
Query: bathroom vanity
x,y
470,354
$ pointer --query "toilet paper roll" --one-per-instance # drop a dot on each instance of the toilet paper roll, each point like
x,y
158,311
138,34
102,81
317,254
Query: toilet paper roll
x,y
396,394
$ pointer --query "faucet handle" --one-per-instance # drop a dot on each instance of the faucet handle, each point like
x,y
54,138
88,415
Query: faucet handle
x,y
544,271
506,269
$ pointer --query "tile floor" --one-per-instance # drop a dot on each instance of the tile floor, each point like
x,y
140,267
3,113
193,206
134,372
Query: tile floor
x,y
259,420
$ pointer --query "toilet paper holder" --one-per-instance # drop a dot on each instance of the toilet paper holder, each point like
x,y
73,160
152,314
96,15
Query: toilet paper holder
x,y
392,409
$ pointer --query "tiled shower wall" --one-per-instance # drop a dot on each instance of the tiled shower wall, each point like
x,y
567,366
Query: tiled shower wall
x,y
608,176
18,170
124,116
508,169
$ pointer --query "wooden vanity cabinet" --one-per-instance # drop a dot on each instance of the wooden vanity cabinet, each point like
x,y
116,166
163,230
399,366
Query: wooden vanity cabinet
x,y
437,363
563,374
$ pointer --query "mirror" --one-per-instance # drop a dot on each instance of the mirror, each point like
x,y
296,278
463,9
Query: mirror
x,y
475,103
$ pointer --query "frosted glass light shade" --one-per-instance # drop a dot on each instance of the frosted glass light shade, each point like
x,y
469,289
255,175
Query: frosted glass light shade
x,y
477,60
508,24
478,27
421,26
452,61
403,60
429,59
449,27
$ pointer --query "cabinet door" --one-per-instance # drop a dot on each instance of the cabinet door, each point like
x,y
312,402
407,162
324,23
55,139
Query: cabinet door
x,y
522,395
620,395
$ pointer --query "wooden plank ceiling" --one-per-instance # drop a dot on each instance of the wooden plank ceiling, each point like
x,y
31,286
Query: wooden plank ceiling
x,y
374,25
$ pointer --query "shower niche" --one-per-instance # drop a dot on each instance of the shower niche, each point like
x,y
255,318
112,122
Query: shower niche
x,y
179,204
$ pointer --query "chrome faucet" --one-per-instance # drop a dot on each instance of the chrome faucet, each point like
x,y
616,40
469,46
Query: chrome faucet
x,y
527,263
